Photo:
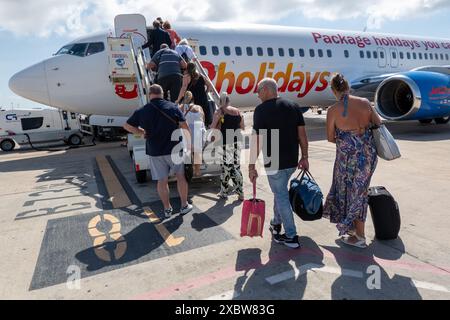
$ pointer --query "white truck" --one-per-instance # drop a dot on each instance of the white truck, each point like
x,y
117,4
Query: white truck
x,y
42,125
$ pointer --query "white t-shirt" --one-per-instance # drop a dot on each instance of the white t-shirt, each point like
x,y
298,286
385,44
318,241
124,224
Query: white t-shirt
x,y
180,49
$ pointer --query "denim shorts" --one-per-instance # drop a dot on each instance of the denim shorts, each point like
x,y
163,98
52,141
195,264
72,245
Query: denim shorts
x,y
162,167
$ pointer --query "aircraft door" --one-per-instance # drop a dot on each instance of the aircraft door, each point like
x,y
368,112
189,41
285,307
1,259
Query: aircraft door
x,y
394,57
131,26
382,60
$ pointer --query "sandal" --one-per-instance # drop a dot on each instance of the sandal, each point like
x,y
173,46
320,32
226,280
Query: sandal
x,y
359,243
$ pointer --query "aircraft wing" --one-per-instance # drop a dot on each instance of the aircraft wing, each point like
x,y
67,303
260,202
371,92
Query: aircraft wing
x,y
367,86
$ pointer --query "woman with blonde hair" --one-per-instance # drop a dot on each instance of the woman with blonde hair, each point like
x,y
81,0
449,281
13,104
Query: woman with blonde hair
x,y
196,122
348,126
229,120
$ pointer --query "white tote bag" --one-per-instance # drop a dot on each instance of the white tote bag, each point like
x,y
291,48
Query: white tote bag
x,y
387,148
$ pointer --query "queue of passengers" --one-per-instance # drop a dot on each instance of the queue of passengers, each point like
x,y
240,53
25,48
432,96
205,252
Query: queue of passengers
x,y
348,123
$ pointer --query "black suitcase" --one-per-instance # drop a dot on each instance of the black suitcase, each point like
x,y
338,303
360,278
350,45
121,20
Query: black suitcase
x,y
385,213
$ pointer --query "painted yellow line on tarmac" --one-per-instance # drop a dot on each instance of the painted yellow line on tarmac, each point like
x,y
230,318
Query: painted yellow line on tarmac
x,y
170,240
116,192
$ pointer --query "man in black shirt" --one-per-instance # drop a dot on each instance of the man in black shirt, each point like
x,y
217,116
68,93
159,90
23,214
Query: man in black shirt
x,y
156,37
157,121
280,128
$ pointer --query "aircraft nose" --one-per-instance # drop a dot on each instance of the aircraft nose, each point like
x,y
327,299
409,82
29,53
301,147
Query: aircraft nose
x,y
31,84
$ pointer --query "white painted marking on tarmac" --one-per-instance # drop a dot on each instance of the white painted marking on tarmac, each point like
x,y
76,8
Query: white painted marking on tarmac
x,y
229,295
428,286
296,272
339,271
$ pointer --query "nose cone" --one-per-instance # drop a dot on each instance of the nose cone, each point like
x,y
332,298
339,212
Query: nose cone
x,y
31,84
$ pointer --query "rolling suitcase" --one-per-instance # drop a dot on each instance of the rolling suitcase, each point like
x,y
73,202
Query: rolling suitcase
x,y
253,215
385,213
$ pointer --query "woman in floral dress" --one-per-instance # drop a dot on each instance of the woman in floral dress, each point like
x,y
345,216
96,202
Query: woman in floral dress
x,y
348,126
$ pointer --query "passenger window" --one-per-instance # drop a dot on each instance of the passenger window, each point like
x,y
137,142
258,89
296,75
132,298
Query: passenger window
x,y
31,123
73,116
203,51
215,50
238,51
394,55
301,52
312,54
402,56
375,55
446,56
346,54
281,52
382,54
249,51
442,56
414,56
227,51
436,56
270,52
94,48
431,56
369,54
329,54
425,56
361,54
420,55
320,51
259,51
291,52
408,55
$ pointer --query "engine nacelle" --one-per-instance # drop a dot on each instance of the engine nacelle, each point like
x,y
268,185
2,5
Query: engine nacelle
x,y
414,95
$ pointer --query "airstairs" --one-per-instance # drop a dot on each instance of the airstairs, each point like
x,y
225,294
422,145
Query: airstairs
x,y
127,66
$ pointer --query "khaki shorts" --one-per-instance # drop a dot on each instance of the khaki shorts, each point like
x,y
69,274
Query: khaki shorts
x,y
162,167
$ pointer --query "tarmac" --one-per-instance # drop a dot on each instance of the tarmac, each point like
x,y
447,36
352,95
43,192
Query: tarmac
x,y
75,224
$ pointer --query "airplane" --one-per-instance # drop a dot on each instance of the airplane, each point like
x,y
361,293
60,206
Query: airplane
x,y
407,77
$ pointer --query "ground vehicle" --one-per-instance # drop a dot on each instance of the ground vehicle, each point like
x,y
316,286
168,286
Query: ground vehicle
x,y
42,125
105,127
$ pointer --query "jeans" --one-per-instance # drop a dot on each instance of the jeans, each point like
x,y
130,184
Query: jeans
x,y
282,207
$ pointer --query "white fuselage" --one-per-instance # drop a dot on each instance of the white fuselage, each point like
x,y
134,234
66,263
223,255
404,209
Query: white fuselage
x,y
301,60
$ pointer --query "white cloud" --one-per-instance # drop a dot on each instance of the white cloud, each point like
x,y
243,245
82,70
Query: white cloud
x,y
77,17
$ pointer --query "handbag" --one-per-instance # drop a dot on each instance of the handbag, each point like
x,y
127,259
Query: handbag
x,y
253,215
305,197
386,146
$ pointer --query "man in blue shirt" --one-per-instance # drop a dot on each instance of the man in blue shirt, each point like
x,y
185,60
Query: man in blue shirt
x,y
169,65
157,121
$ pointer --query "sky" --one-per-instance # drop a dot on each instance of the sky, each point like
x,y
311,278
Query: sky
x,y
32,30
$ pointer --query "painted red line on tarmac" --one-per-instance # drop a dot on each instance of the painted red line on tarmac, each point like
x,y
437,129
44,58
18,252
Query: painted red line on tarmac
x,y
212,278
230,272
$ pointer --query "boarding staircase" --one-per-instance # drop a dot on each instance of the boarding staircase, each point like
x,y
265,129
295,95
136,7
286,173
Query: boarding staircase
x,y
127,66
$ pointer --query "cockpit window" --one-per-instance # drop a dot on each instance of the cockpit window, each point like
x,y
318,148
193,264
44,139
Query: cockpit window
x,y
82,49
94,48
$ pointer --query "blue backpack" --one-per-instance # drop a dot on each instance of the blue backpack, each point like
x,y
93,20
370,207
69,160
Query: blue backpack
x,y
306,197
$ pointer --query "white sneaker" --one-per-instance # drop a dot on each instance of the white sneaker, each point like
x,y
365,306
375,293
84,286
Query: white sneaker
x,y
168,213
186,209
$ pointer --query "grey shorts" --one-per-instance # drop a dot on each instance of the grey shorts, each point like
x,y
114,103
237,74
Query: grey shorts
x,y
163,167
